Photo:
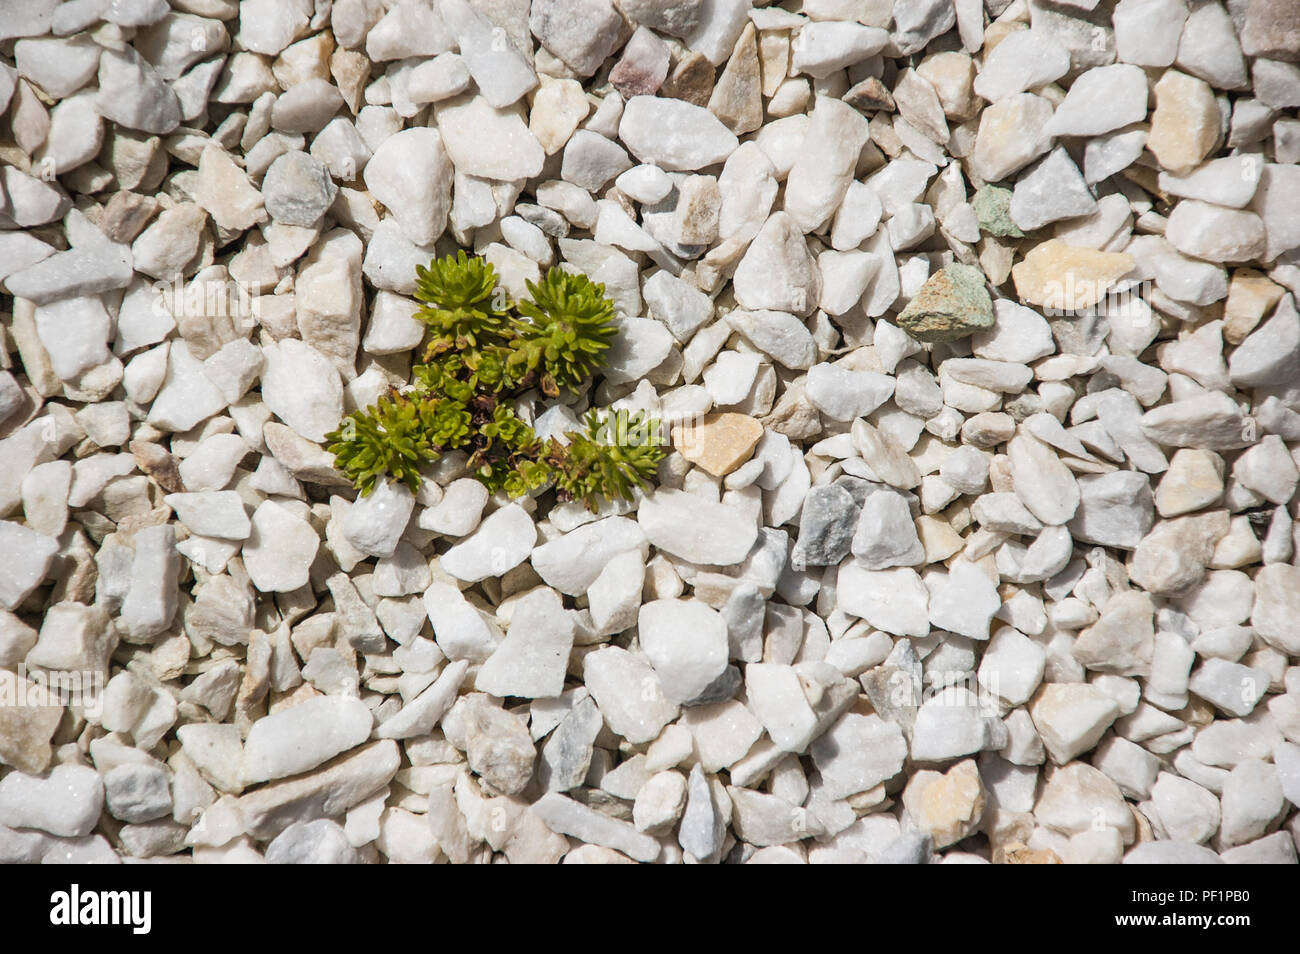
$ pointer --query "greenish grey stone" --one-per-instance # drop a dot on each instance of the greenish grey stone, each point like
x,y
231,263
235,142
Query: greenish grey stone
x,y
952,304
992,205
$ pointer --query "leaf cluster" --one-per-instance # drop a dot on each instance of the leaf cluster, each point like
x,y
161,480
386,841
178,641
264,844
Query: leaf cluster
x,y
483,352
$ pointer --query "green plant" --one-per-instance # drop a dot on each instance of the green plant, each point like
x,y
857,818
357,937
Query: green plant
x,y
482,354
592,466
570,328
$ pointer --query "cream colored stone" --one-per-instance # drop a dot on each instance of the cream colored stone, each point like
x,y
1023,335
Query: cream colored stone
x,y
558,106
773,60
305,60
1064,278
1185,124
1071,718
1239,547
1194,480
27,721
1010,136
1019,854
719,443
350,71
948,805
223,190
938,538
699,205
737,98
1251,296
952,75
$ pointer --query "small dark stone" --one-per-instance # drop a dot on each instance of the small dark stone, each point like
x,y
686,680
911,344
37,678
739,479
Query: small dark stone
x,y
721,689
830,515
548,220
870,96
691,80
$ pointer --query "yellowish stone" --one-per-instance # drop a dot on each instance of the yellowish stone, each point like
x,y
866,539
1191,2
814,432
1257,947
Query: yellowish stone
x,y
995,259
350,71
773,59
290,698
1004,828
949,805
1185,124
719,443
305,60
999,30
938,538
737,99
1066,279
28,719
952,75
1018,854
558,106
1251,296
1194,480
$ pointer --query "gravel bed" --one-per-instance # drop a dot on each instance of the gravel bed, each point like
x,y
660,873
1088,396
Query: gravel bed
x,y
974,327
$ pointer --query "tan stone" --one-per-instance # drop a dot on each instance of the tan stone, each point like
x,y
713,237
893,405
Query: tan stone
x,y
1123,638
1010,136
1172,558
1185,124
1005,828
350,71
794,415
873,797
995,258
126,215
1194,480
290,698
1018,854
719,443
948,805
1064,278
159,465
1239,547
690,80
938,538
26,723
138,161
305,60
169,656
871,96
699,205
737,99
225,191
558,107
999,30
1251,296
952,75
36,360
919,104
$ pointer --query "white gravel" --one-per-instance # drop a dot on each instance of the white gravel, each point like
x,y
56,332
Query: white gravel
x,y
974,326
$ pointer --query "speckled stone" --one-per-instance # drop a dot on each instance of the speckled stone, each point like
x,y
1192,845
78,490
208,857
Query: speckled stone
x,y
952,304
992,205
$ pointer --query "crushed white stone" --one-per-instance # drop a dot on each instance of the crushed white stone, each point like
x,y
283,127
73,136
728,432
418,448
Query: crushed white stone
x,y
1024,590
